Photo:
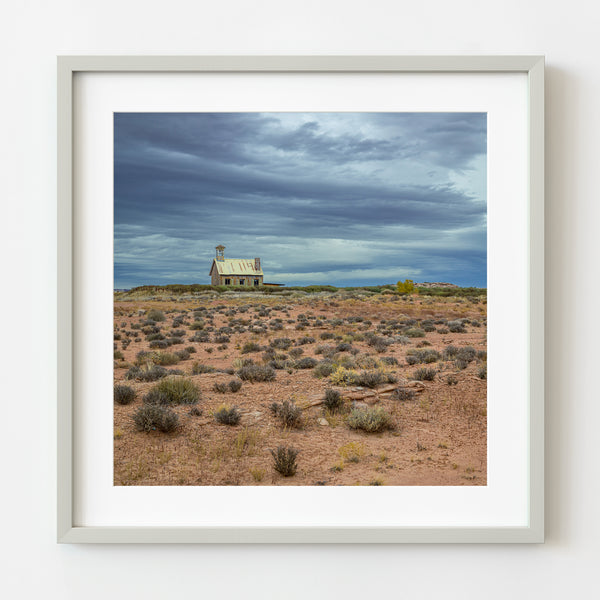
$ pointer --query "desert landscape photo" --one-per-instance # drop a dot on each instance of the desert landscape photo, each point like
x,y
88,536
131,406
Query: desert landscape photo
x,y
300,299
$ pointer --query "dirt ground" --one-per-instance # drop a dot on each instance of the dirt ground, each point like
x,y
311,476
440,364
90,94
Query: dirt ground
x,y
439,437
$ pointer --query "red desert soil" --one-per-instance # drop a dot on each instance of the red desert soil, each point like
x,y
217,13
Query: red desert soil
x,y
439,437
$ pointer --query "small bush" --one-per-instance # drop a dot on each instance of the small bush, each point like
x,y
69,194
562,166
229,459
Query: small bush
x,y
250,347
324,369
284,460
155,315
220,387
199,368
162,344
415,332
195,412
306,363
333,401
151,417
234,385
281,343
389,360
403,394
371,420
123,394
228,416
288,412
256,373
149,372
456,326
482,372
424,374
451,380
173,390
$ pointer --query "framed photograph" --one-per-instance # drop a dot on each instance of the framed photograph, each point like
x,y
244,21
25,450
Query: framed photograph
x,y
301,299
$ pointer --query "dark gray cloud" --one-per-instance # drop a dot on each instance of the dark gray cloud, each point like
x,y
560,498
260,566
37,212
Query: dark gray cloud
x,y
349,198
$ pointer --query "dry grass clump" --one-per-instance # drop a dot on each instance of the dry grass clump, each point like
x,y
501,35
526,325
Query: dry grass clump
x,y
152,417
147,372
155,315
418,356
371,420
199,368
164,359
284,460
403,394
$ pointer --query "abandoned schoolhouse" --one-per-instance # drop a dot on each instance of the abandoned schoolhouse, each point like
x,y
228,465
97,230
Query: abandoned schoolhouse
x,y
235,271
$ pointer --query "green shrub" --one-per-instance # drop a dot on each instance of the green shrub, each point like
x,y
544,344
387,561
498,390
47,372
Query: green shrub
x,y
150,417
173,390
415,332
155,315
371,420
284,460
123,394
251,347
228,416
281,343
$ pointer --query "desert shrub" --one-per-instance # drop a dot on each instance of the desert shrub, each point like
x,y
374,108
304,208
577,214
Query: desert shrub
x,y
220,387
371,420
155,315
161,344
467,353
450,352
288,412
482,372
296,352
424,374
324,368
389,360
281,343
197,326
415,332
177,333
456,326
451,380
123,394
419,356
149,372
333,401
403,394
327,335
482,355
284,460
306,363
228,416
307,339
365,378
278,363
405,287
195,412
199,368
173,390
250,347
234,385
461,364
151,417
254,372
182,354
155,336
164,359
200,336
344,347
118,355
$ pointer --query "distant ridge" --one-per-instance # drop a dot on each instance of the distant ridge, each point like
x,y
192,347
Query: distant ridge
x,y
435,284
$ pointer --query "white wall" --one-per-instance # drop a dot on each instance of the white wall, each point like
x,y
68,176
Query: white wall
x,y
32,32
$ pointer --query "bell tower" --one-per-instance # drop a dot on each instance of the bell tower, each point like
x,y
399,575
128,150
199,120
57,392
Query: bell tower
x,y
220,252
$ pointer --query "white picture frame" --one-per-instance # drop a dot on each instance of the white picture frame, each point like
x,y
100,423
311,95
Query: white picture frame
x,y
68,531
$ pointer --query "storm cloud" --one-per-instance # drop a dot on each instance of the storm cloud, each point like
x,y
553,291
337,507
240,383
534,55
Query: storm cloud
x,y
339,198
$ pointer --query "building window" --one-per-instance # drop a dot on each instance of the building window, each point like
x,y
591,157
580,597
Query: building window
x,y
242,282
256,282
228,282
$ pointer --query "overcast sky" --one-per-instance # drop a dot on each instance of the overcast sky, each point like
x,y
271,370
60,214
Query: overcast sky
x,y
328,198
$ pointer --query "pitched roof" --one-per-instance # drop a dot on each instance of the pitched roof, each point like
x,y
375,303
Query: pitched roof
x,y
235,266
